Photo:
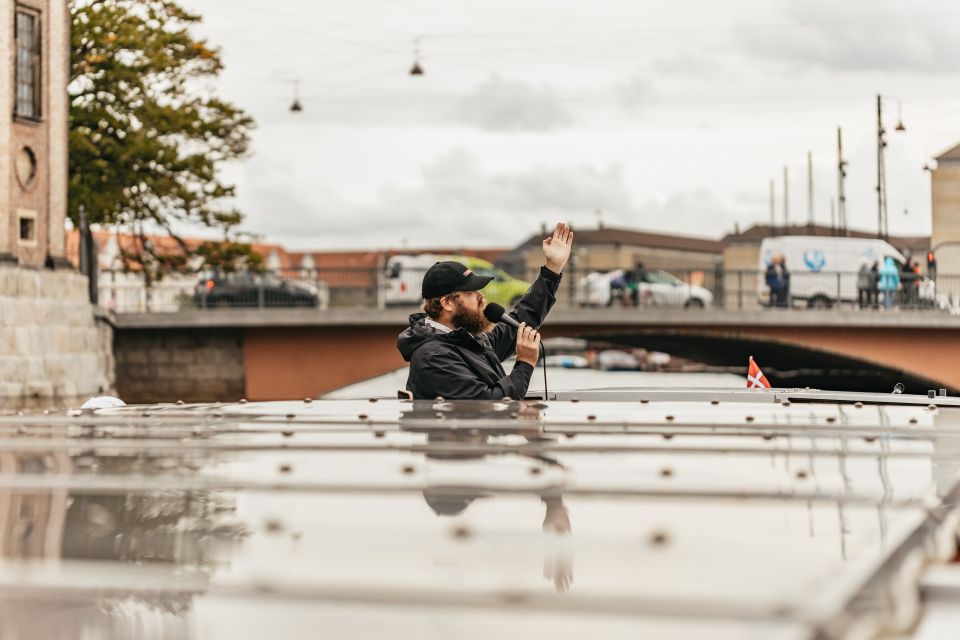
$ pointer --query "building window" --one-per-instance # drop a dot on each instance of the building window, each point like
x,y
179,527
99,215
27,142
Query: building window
x,y
26,167
27,223
27,33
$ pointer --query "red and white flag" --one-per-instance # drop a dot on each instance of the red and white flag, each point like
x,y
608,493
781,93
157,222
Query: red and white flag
x,y
755,377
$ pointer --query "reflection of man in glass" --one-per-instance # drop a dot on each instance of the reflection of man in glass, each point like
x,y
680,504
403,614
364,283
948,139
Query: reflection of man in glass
x,y
463,444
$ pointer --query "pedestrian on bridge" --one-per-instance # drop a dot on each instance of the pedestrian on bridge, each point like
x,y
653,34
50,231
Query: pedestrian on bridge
x,y
452,350
889,281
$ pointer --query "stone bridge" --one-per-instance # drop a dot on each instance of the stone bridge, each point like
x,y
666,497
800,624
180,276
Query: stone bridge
x,y
226,354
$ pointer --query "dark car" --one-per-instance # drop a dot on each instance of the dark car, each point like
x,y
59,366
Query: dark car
x,y
246,289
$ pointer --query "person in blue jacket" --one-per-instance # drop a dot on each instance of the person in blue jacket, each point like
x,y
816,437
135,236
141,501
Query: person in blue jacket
x,y
889,281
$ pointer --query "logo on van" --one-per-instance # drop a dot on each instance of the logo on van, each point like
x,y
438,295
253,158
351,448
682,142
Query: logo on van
x,y
814,259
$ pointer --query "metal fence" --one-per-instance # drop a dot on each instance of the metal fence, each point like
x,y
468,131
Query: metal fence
x,y
692,289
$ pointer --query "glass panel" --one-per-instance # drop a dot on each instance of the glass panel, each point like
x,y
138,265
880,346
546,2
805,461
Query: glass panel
x,y
28,66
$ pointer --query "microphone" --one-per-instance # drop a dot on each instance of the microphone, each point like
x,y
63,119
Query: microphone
x,y
496,313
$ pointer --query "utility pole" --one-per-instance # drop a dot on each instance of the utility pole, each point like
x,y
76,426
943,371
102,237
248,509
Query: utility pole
x,y
882,230
841,193
773,216
786,200
810,191
833,218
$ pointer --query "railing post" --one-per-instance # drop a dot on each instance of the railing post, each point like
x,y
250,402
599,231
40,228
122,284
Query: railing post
x,y
838,287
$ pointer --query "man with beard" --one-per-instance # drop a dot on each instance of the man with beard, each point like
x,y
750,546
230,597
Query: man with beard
x,y
452,350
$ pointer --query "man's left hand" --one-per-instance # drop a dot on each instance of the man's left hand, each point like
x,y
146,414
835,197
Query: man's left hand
x,y
556,248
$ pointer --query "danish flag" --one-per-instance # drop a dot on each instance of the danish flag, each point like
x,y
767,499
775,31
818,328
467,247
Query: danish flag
x,y
755,377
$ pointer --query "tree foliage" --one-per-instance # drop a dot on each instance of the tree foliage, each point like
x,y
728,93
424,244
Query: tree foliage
x,y
147,135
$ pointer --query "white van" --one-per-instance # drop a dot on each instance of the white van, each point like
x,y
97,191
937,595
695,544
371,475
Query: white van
x,y
823,270
402,277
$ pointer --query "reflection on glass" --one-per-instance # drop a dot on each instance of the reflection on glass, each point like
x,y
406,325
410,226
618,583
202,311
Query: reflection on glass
x,y
450,438
168,543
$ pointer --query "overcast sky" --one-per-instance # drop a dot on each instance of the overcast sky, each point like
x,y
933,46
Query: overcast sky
x,y
671,117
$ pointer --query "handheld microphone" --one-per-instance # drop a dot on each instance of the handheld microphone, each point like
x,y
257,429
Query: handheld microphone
x,y
496,313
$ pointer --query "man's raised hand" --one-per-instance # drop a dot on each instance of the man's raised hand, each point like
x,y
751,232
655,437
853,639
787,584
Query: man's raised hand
x,y
556,248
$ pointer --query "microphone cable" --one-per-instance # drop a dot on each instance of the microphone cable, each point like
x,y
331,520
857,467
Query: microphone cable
x,y
543,360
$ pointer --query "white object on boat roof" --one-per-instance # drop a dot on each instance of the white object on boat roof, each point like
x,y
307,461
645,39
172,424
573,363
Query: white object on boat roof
x,y
103,402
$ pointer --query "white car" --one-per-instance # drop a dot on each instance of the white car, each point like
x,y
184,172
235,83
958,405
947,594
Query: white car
x,y
658,288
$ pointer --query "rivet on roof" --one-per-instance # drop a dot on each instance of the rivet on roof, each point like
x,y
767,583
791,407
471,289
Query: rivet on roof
x,y
659,538
286,468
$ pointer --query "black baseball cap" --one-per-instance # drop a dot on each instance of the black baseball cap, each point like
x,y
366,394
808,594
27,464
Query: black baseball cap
x,y
449,276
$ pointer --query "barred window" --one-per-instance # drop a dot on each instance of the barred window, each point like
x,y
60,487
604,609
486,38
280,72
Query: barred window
x,y
28,65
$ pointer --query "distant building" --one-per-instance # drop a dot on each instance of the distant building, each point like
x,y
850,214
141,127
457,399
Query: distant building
x,y
34,52
344,277
608,248
945,201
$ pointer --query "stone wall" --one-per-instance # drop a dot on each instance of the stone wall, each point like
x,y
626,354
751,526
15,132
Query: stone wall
x,y
193,365
54,351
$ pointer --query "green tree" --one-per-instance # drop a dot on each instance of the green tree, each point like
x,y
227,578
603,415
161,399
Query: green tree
x,y
147,135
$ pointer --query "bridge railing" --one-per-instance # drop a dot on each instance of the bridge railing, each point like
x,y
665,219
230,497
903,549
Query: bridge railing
x,y
365,287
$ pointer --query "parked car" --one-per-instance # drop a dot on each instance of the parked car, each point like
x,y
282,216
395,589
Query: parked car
x,y
245,289
503,289
403,274
658,288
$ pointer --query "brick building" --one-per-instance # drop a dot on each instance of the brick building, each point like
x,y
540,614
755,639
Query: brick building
x,y
34,64
945,201
54,351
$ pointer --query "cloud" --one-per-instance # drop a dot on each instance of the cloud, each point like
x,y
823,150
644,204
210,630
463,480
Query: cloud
x,y
500,104
893,36
636,92
694,212
457,202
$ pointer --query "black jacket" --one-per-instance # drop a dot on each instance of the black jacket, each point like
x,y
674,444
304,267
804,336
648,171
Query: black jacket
x,y
458,365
